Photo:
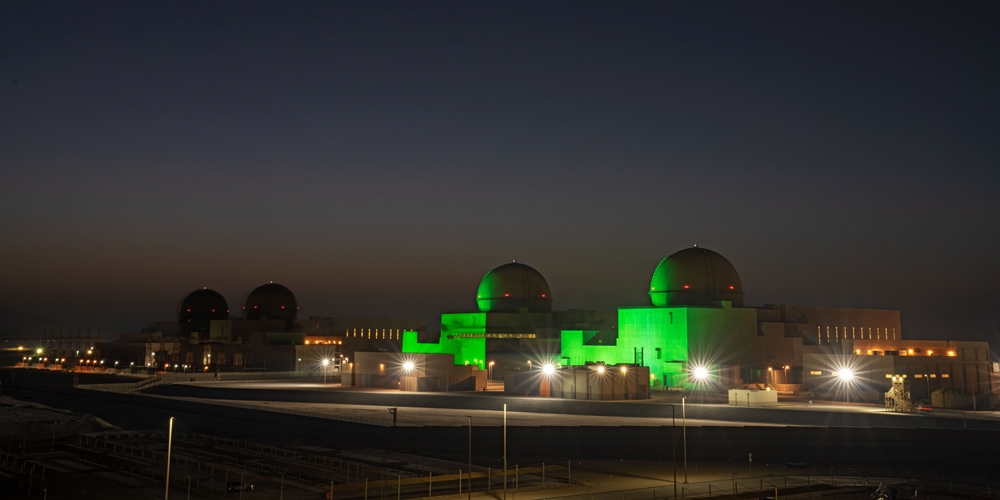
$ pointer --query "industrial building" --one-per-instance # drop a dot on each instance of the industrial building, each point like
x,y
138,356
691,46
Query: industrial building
x,y
695,333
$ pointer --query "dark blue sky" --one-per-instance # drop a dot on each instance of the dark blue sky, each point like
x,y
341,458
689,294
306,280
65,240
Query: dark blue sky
x,y
378,158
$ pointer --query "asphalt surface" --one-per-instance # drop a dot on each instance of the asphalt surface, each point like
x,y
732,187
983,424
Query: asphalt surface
x,y
372,404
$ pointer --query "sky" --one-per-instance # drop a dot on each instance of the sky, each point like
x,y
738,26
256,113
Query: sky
x,y
378,158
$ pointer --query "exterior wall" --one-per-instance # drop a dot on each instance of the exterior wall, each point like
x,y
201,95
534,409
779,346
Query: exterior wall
x,y
582,382
431,372
830,325
465,350
967,368
752,397
670,340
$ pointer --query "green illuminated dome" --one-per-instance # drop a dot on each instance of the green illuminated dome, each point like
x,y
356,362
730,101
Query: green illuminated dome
x,y
514,286
695,277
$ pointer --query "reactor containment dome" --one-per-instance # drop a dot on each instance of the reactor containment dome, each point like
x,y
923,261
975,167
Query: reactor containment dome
x,y
513,287
695,277
271,301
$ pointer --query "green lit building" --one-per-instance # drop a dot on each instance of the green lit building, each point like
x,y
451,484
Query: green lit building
x,y
696,318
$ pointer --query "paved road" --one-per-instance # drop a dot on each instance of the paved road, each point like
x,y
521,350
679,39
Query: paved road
x,y
372,403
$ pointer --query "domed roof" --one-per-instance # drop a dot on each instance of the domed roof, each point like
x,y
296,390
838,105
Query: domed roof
x,y
514,286
695,277
200,307
271,301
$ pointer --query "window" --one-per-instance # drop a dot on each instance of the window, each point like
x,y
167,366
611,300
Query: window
x,y
945,375
815,372
918,376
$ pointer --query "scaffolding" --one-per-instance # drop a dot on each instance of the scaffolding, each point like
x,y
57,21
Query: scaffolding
x,y
898,398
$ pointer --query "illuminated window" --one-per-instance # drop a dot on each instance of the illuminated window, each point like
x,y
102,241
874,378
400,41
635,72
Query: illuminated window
x,y
933,375
857,352
945,375
951,353
815,372
918,376
888,375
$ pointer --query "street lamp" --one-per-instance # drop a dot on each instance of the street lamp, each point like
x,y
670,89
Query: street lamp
x,y
846,376
170,444
685,428
785,379
700,373
470,457
326,362
489,372
624,370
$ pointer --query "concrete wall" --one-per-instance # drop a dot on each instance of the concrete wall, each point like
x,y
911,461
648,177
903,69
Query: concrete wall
x,y
752,397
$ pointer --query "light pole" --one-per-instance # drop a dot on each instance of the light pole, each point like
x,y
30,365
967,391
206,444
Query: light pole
x,y
489,373
624,370
785,379
170,444
504,448
685,429
470,456
673,446
326,362
846,376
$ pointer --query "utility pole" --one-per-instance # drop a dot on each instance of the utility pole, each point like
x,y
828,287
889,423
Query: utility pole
x,y
470,457
170,443
673,433
504,450
685,431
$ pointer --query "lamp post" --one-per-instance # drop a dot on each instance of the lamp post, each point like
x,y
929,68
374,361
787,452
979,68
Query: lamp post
x,y
685,430
846,376
326,363
170,444
785,379
504,448
489,372
624,370
470,456
673,447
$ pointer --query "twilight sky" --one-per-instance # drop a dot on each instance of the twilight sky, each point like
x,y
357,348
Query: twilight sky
x,y
378,158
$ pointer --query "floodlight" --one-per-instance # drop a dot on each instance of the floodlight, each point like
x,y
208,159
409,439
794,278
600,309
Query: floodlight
x,y
700,372
408,365
548,369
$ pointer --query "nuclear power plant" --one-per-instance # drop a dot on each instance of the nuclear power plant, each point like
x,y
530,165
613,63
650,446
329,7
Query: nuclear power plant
x,y
696,333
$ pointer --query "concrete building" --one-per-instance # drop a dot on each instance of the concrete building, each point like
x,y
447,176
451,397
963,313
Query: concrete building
x,y
697,333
